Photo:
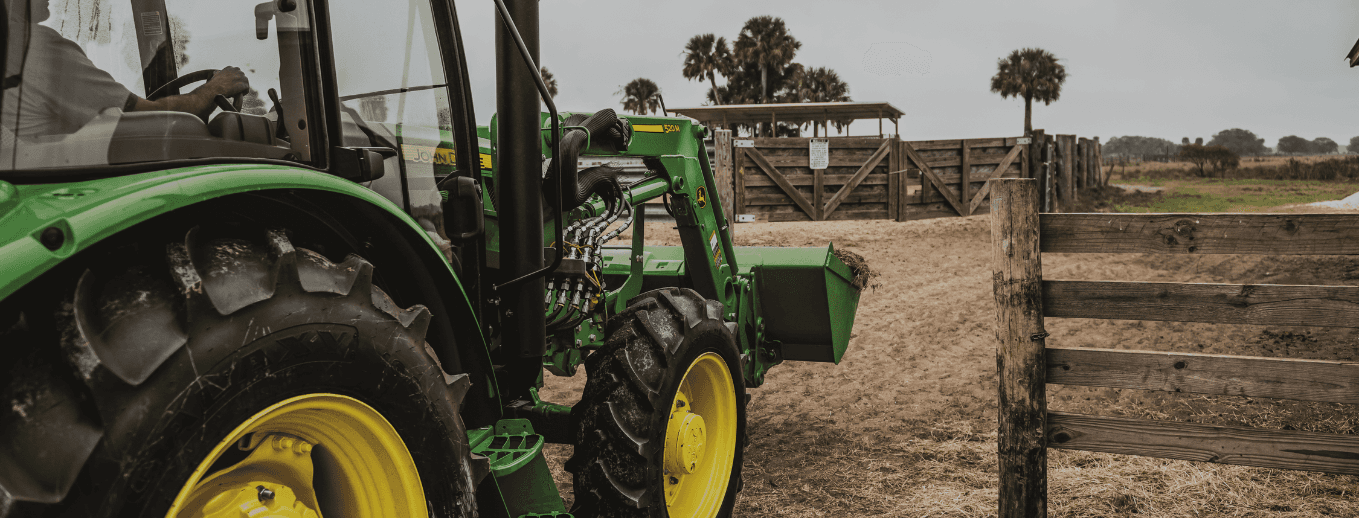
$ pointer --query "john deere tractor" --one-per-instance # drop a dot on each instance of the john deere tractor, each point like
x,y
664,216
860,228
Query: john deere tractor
x,y
332,294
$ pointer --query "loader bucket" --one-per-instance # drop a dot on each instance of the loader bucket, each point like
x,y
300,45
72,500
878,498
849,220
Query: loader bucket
x,y
807,299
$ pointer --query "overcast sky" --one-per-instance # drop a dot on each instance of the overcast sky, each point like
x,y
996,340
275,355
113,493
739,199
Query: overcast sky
x,y
1166,69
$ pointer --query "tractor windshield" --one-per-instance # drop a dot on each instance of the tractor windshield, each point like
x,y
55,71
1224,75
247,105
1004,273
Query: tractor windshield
x,y
100,82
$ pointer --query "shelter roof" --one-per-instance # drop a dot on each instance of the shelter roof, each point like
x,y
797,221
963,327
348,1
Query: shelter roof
x,y
790,112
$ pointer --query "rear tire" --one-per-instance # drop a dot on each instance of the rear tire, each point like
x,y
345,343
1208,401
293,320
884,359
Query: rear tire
x,y
170,357
633,405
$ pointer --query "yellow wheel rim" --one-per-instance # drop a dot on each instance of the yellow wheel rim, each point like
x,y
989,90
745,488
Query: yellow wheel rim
x,y
700,440
307,453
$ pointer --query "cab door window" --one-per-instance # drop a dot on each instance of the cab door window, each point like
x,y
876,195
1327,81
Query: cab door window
x,y
393,92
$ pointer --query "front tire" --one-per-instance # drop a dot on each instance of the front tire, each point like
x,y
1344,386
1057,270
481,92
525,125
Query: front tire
x,y
660,429
200,366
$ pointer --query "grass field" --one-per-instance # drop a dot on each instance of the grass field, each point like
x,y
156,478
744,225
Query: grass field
x,y
1162,169
1234,195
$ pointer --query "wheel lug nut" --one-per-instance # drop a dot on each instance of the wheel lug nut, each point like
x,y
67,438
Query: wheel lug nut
x,y
265,493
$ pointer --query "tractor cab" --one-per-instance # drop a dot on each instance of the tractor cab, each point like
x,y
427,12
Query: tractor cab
x,y
77,79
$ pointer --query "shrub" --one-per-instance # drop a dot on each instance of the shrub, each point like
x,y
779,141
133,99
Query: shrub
x,y
1221,158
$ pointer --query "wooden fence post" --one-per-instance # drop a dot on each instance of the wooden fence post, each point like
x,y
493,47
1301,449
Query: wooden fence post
x,y
1088,162
1017,272
1036,145
894,180
1068,172
1099,163
964,178
1082,179
1053,167
725,173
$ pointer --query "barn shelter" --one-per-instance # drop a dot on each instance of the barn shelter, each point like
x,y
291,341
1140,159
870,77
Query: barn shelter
x,y
819,114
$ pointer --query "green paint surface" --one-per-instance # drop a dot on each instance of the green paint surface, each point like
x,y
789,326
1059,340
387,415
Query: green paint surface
x,y
90,211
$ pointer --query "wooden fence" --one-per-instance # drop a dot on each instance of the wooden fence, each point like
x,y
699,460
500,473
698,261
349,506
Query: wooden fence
x,y
1026,365
1065,164
953,177
870,178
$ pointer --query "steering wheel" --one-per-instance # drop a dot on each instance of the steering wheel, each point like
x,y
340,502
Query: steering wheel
x,y
237,100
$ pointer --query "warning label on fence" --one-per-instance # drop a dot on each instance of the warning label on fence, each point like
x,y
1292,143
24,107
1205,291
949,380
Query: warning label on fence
x,y
820,153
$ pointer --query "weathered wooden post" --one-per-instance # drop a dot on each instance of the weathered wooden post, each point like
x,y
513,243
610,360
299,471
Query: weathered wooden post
x,y
1099,163
1017,272
964,178
1068,171
725,173
894,161
1036,145
1082,176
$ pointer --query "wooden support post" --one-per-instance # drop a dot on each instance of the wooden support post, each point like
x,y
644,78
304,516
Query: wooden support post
x,y
893,165
1082,176
1053,157
1087,165
1068,171
773,124
1037,142
896,129
879,123
1090,162
724,176
964,178
1099,163
1018,275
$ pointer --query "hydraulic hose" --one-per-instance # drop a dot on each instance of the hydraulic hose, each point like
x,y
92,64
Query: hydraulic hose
x,y
603,130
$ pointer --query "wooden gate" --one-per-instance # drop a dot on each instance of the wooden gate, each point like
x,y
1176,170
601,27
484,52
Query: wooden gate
x,y
953,177
774,182
870,178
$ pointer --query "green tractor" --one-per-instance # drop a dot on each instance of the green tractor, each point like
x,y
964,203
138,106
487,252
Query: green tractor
x,y
339,297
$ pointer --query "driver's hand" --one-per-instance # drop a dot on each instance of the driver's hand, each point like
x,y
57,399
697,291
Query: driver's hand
x,y
229,81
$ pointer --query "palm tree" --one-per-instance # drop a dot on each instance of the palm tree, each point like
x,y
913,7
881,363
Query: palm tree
x,y
1031,74
765,40
641,96
819,85
704,59
548,80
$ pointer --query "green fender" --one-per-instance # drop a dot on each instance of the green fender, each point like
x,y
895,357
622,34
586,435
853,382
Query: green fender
x,y
88,212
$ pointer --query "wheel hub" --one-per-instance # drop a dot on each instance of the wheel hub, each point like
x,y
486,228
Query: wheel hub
x,y
684,449
261,486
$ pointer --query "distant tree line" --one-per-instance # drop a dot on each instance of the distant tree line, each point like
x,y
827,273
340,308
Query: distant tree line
x,y
1295,145
1238,141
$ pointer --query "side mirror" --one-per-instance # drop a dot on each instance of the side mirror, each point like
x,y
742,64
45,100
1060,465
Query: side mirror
x,y
359,164
266,11
463,214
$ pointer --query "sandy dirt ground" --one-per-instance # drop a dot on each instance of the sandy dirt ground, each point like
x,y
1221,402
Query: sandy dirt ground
x,y
905,425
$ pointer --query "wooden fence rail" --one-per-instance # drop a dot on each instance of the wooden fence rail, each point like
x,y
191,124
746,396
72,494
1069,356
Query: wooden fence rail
x,y
1026,365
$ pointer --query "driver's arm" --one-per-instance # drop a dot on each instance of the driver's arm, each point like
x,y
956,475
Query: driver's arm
x,y
228,82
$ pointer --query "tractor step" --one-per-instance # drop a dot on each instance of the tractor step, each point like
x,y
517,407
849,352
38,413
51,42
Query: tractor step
x,y
520,469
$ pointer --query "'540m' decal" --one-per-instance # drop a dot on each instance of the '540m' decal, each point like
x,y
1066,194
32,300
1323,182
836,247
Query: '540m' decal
x,y
656,128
